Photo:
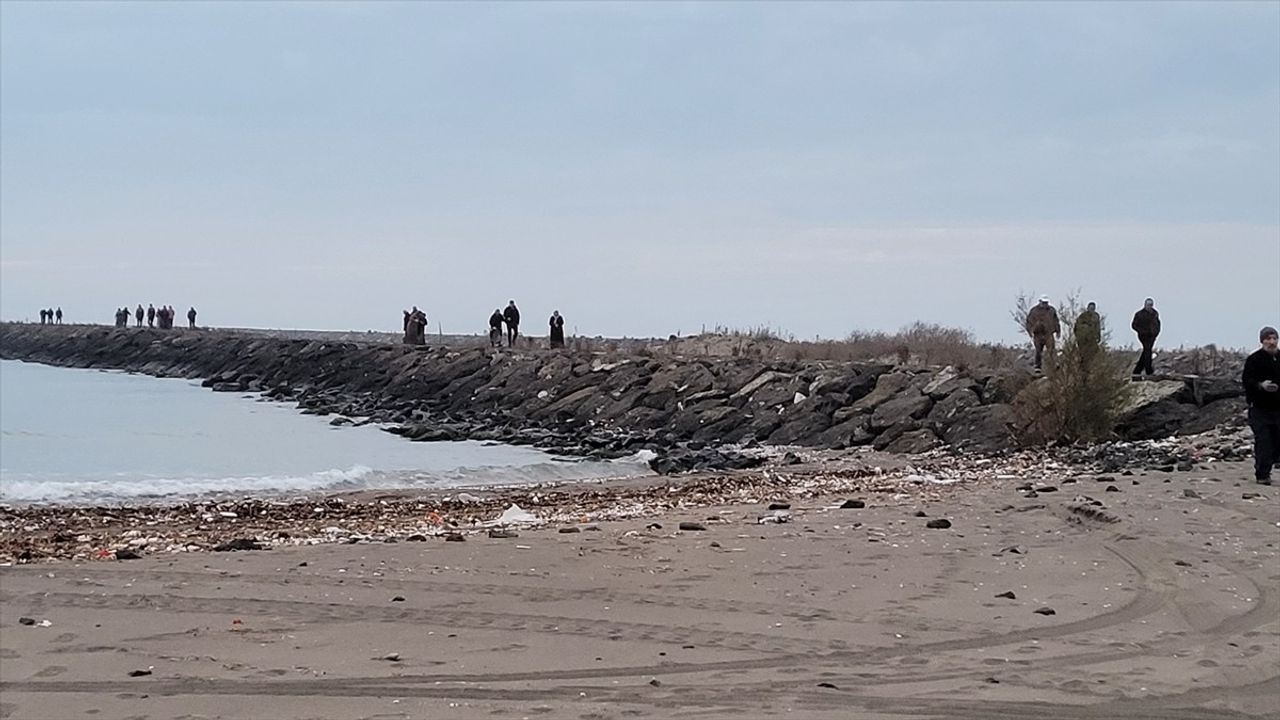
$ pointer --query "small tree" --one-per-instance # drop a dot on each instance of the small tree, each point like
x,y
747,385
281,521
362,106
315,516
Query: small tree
x,y
1081,396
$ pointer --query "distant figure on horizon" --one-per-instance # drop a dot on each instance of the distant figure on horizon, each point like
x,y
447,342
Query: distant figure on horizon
x,y
1146,322
140,314
557,329
42,316
1261,380
415,329
1088,329
1043,326
406,322
191,318
495,328
511,316
151,315
58,314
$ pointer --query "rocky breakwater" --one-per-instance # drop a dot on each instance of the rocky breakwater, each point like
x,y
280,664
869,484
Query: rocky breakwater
x,y
694,412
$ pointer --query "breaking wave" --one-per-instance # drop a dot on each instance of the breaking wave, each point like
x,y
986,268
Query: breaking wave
x,y
24,488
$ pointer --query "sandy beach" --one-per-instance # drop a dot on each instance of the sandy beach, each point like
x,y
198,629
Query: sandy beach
x,y
1159,598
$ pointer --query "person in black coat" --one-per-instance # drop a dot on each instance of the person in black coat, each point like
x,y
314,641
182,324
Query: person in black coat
x,y
495,328
557,329
511,316
1146,322
1261,380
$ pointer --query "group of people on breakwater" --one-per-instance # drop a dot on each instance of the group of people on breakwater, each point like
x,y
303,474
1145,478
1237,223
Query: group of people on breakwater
x,y
161,317
415,326
1043,326
50,316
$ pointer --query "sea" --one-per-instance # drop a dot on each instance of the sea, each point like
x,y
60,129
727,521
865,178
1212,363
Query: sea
x,y
73,436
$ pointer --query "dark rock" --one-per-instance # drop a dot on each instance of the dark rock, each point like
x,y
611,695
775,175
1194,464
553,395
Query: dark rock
x,y
398,598
655,682
910,405
1189,493
853,505
828,686
1182,563
921,513
1045,611
569,530
938,524
503,533
139,673
238,544
416,537
779,506
790,459
455,537
1007,594
988,428
1112,488
914,441
653,526
949,407
26,621
127,554
692,526
1046,489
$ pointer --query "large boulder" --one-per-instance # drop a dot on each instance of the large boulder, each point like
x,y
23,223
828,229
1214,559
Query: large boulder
x,y
945,382
910,405
1155,409
1226,412
946,409
887,386
986,428
914,441
800,428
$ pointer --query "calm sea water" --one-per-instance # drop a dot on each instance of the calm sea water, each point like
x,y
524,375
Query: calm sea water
x,y
88,436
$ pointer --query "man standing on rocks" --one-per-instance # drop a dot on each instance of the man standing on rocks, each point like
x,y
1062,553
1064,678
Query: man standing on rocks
x,y
1088,329
191,318
58,314
1146,322
1261,379
139,314
1043,326
151,315
512,317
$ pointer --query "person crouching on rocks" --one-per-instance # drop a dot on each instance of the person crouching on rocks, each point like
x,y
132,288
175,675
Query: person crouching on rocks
x,y
495,328
1261,380
1043,327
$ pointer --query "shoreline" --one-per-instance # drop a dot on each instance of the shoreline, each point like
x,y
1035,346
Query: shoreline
x,y
1158,600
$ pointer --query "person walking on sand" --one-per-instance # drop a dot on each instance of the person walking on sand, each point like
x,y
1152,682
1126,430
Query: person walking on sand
x,y
495,328
191,318
58,314
1146,322
1261,380
557,329
1043,327
511,316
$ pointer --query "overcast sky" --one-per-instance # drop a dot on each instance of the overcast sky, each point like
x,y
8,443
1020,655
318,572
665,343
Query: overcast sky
x,y
646,169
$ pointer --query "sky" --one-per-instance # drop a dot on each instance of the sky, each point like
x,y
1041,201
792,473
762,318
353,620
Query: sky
x,y
646,169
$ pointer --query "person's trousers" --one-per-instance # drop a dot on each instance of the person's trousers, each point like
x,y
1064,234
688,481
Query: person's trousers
x,y
1266,440
1144,360
1042,342
512,332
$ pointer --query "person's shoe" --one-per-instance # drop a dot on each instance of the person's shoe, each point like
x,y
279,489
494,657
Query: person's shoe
x,y
1264,481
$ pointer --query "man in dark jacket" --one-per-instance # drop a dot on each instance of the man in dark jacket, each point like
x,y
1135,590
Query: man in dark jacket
x,y
511,316
1146,322
191,318
1042,325
1261,379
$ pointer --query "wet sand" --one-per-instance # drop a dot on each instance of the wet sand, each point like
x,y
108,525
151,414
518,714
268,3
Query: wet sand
x,y
1165,604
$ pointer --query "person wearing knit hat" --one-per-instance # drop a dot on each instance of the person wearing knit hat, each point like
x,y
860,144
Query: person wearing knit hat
x,y
1261,380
